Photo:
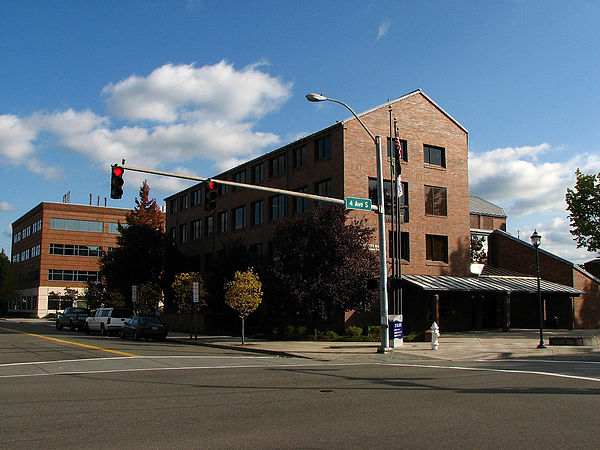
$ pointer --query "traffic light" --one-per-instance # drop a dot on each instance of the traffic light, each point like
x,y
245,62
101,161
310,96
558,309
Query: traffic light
x,y
210,195
116,181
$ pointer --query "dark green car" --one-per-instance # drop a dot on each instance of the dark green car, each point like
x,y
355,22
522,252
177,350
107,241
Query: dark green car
x,y
72,317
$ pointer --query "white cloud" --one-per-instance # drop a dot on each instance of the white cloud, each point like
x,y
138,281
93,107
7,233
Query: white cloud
x,y
515,179
15,138
8,231
383,29
5,206
532,192
220,91
206,113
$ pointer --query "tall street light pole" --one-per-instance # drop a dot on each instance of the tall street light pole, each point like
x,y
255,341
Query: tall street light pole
x,y
536,239
383,295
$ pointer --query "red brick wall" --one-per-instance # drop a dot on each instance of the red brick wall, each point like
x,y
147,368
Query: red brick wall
x,y
507,253
352,163
49,236
419,122
586,308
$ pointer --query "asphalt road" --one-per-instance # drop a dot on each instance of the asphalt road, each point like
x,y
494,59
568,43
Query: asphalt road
x,y
174,395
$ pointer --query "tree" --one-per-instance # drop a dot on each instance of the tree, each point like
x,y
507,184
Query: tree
x,y
94,295
583,204
478,253
183,288
8,283
244,294
148,296
146,212
144,253
322,262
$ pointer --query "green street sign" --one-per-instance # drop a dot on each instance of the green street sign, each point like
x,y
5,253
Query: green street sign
x,y
358,203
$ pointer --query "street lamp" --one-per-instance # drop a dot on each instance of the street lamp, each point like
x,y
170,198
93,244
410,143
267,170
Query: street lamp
x,y
383,295
536,239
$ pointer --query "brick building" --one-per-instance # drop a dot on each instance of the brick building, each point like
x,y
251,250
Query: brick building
x,y
340,161
506,252
57,246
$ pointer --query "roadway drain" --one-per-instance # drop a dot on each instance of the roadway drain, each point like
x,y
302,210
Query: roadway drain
x,y
326,390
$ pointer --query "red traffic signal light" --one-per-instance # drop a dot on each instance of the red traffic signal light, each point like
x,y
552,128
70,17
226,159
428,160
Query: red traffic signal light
x,y
116,181
210,195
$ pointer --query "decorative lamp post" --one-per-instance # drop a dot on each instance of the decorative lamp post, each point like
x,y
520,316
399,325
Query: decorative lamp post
x,y
383,295
536,239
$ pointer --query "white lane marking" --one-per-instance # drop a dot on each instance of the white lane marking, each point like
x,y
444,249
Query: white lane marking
x,y
540,360
33,363
481,369
150,369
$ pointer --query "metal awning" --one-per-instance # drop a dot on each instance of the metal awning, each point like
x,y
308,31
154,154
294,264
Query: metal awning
x,y
504,284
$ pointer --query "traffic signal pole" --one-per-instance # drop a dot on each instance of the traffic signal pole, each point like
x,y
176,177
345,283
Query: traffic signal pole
x,y
255,187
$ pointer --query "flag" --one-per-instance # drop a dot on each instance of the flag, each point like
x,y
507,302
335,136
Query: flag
x,y
399,190
398,145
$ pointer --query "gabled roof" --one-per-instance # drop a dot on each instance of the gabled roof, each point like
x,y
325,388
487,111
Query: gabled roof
x,y
551,255
404,97
509,285
477,205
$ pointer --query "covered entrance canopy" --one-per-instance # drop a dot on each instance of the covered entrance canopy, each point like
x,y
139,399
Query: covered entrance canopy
x,y
462,303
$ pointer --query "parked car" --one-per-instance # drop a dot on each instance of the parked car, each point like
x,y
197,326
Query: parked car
x,y
144,327
108,320
72,317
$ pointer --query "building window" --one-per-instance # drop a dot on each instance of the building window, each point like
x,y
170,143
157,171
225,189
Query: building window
x,y
37,226
113,228
474,221
76,225
299,157
436,248
184,201
239,217
183,233
323,188
222,222
277,207
323,148
256,250
435,156
436,201
257,213
404,245
196,230
222,188
257,173
277,165
173,233
197,197
75,250
72,275
403,147
37,250
173,206
301,203
239,177
387,196
210,225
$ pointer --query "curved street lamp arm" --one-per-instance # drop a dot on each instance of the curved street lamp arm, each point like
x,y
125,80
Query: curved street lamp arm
x,y
355,115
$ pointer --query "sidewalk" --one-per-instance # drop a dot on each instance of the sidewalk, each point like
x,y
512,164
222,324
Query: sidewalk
x,y
456,346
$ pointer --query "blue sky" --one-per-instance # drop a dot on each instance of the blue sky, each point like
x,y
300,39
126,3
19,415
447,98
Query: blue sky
x,y
160,83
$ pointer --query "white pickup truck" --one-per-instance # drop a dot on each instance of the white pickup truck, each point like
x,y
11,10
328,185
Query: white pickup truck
x,y
108,320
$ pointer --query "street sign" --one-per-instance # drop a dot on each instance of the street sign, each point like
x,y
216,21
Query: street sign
x,y
134,293
358,203
195,292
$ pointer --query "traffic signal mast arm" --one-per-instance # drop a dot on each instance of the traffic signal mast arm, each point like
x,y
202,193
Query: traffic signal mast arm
x,y
320,198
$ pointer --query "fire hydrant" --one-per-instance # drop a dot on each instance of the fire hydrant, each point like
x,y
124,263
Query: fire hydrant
x,y
435,334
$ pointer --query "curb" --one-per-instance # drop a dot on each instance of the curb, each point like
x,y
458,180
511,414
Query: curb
x,y
263,351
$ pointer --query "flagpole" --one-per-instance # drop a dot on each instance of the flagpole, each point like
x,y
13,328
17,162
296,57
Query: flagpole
x,y
391,149
398,236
